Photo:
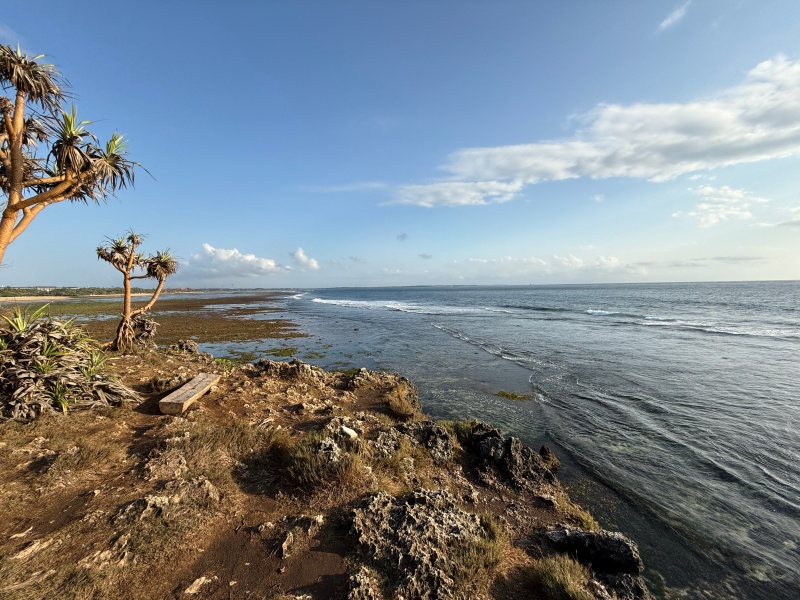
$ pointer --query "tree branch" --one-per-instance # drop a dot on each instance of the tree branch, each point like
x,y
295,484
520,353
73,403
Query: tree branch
x,y
152,301
41,180
28,215
58,193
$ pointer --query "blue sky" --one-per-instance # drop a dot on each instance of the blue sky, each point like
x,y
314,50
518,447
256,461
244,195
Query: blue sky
x,y
338,143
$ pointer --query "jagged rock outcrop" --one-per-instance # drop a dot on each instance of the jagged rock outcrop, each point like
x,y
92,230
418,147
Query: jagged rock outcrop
x,y
415,536
433,436
428,434
295,370
613,558
519,465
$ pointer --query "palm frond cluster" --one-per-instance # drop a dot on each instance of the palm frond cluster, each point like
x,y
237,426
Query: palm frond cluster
x,y
48,154
49,364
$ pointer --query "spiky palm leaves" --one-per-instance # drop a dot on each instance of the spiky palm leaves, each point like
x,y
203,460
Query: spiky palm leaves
x,y
41,83
49,364
72,165
121,253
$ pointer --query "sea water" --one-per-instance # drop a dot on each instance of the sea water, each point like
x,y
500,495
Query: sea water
x,y
682,401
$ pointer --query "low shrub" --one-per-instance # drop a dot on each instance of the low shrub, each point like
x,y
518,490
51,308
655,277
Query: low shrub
x,y
52,365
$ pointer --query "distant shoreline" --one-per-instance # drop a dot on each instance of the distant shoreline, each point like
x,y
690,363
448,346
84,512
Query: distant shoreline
x,y
27,299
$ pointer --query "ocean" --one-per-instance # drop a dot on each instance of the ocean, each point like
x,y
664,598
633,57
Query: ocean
x,y
675,407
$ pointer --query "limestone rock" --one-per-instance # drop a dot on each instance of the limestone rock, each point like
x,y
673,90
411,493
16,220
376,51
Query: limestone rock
x,y
434,437
362,585
550,459
415,535
296,371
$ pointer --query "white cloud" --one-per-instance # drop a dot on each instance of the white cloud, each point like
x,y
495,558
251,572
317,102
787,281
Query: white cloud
x,y
571,261
303,261
756,120
458,193
219,262
721,204
599,198
674,17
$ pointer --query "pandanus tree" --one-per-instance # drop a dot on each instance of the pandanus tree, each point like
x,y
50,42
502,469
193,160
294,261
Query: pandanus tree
x,y
122,254
47,155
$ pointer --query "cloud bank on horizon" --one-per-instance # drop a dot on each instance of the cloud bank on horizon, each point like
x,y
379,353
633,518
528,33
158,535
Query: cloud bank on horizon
x,y
754,121
215,263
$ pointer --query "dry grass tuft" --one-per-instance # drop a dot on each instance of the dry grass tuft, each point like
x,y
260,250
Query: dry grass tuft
x,y
580,517
212,450
476,562
559,577
394,472
402,401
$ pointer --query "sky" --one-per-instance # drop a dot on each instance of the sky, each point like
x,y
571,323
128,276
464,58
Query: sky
x,y
337,143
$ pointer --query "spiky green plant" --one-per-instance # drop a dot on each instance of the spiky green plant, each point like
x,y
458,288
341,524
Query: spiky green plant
x,y
51,364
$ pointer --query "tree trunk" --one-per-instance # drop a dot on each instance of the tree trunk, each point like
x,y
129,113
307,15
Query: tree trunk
x,y
123,341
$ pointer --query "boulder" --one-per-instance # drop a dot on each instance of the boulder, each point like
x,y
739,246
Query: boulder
x,y
603,550
414,536
519,465
614,559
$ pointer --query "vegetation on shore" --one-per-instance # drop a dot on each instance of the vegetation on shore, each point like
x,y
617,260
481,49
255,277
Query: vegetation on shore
x,y
69,292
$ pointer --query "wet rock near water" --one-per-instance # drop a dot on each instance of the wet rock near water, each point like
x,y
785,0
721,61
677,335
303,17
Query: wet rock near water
x,y
613,558
519,465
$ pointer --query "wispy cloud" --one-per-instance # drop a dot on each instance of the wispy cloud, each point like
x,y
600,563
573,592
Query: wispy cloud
x,y
674,17
733,259
793,220
756,120
508,266
721,204
304,262
458,193
599,198
218,262
425,256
